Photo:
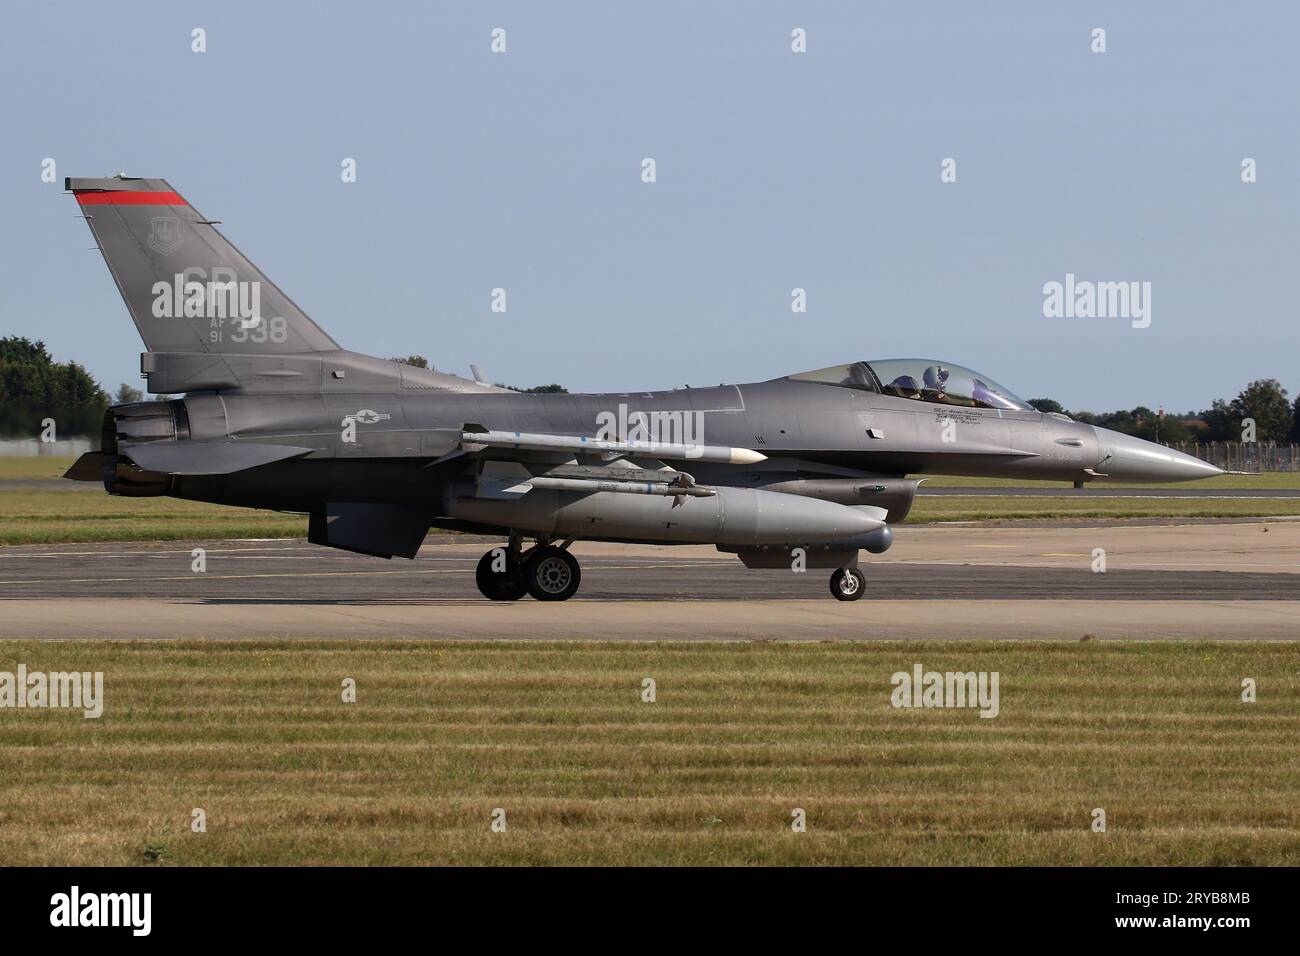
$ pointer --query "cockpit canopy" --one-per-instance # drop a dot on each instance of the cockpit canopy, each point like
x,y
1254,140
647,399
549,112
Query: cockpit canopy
x,y
923,380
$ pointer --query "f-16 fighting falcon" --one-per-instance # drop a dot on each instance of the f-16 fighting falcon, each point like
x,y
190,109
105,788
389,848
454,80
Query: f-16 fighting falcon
x,y
808,470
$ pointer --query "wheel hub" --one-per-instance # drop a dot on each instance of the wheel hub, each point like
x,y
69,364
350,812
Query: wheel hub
x,y
553,575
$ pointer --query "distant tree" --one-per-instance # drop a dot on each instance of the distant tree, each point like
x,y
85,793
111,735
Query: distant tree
x,y
1170,430
537,389
1141,422
419,361
126,394
1129,422
1220,423
34,387
1265,401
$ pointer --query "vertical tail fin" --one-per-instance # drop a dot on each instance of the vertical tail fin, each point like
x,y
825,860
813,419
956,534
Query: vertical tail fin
x,y
187,288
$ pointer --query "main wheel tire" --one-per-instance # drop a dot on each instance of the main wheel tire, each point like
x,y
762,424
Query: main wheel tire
x,y
507,585
552,574
848,584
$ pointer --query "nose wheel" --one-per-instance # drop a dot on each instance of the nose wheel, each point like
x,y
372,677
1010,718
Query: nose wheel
x,y
546,572
848,584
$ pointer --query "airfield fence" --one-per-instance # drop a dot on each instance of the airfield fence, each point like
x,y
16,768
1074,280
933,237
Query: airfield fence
x,y
1253,457
33,447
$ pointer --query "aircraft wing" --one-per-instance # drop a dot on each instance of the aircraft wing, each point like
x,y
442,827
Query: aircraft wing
x,y
207,457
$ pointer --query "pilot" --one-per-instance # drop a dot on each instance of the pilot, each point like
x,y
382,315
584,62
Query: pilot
x,y
936,383
858,377
905,387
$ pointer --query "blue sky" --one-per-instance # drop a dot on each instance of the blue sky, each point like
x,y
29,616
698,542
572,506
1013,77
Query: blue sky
x,y
775,170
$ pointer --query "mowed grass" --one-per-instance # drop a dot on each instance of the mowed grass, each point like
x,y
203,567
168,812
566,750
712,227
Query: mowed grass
x,y
557,736
35,466
1068,505
48,517
975,508
1265,481
82,511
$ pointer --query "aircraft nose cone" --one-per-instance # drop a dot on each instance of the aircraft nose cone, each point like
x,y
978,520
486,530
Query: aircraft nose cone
x,y
1125,458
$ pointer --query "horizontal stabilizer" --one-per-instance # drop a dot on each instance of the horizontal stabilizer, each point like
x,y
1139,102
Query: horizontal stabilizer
x,y
380,530
89,467
207,457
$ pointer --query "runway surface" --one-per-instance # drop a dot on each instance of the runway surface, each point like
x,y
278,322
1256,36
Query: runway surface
x,y
1214,580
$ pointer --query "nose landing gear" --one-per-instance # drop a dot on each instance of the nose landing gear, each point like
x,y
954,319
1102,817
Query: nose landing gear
x,y
848,584
547,572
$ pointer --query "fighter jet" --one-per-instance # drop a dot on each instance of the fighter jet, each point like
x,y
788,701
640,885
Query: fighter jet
x,y
804,471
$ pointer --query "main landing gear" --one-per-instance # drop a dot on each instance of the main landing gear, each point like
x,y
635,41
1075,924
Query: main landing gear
x,y
547,572
550,573
848,584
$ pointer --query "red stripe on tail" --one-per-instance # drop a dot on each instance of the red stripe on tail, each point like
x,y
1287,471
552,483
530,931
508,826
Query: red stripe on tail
x,y
130,197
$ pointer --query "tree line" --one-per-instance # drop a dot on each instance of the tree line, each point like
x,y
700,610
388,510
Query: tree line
x,y
1263,401
34,387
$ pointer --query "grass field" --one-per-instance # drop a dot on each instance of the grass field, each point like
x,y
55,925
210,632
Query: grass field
x,y
36,466
556,735
973,508
73,512
48,517
1271,480
79,511
930,510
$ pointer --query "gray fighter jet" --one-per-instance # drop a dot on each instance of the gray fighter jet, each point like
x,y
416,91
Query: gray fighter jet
x,y
805,471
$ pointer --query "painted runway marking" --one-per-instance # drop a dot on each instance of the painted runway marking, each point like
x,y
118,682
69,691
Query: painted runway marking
x,y
322,574
146,552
